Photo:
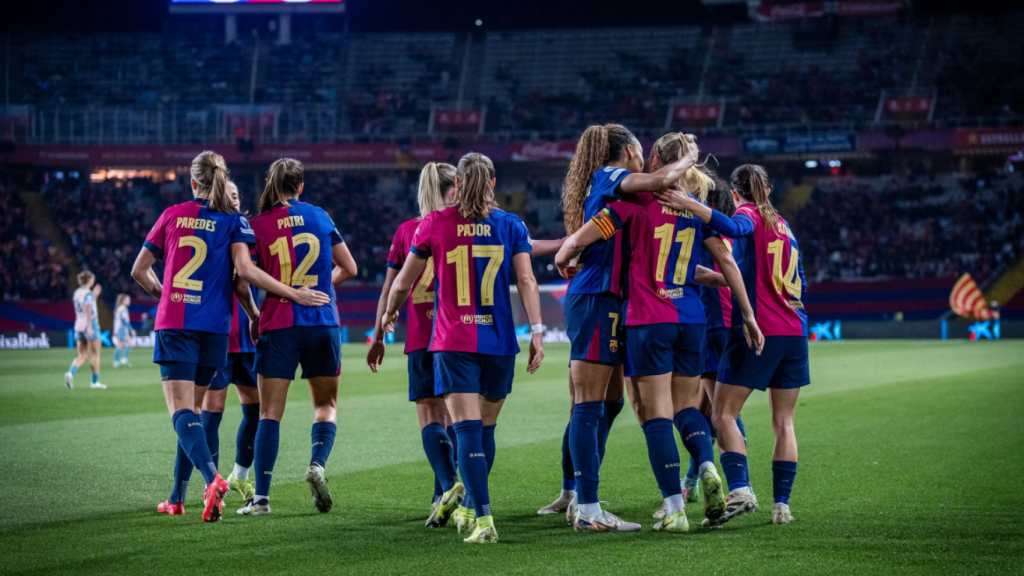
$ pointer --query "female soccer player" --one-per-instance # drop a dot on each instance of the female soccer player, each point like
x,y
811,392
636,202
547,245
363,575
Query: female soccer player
x,y
476,246
87,331
608,163
665,328
200,240
436,191
124,334
298,243
769,259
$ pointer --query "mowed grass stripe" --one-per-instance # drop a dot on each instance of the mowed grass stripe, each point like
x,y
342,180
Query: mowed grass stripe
x,y
889,483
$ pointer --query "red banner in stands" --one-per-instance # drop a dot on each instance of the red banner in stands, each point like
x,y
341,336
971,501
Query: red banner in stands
x,y
908,107
870,8
471,121
985,137
697,114
799,10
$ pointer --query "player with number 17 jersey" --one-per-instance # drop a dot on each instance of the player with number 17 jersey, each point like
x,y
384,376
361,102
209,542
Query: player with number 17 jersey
x,y
472,272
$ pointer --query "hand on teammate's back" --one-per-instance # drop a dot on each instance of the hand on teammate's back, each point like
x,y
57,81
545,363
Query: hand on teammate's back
x,y
309,297
674,199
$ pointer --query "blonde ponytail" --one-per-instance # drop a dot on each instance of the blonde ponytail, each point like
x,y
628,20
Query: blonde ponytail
x,y
283,181
210,174
475,192
436,179
751,182
698,180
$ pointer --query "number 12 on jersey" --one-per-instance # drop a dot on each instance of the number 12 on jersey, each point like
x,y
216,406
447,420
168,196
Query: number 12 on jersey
x,y
460,257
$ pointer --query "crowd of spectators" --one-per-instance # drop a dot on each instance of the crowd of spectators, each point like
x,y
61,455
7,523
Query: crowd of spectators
x,y
105,223
915,227
30,267
850,229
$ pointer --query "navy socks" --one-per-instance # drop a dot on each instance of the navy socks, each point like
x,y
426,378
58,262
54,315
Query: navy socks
x,y
611,411
693,429
783,475
663,454
568,471
268,437
323,441
734,465
583,440
440,454
182,473
473,464
211,425
245,441
193,442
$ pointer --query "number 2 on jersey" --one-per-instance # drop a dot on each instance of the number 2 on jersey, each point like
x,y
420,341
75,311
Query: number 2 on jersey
x,y
422,292
183,279
460,257
685,237
284,257
791,279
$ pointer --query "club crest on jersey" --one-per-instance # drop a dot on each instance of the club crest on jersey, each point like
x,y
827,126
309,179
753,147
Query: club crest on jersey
x,y
474,229
430,314
613,345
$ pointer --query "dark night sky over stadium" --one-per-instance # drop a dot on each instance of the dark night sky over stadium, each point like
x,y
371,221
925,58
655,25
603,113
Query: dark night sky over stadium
x,y
377,15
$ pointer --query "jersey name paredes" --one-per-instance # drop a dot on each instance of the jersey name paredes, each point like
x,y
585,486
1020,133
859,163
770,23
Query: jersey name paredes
x,y
421,301
294,244
662,251
195,242
472,272
599,266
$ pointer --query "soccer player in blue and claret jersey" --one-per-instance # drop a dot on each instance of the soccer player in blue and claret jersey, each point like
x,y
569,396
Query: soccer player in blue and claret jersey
x,y
769,259
436,191
474,246
299,244
665,326
199,241
608,164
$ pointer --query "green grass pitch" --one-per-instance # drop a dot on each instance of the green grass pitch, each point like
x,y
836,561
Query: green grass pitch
x,y
911,462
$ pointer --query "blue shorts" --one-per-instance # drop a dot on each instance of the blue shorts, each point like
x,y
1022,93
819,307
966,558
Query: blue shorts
x,y
468,372
593,323
714,346
191,347
782,364
200,375
421,375
239,371
663,348
317,348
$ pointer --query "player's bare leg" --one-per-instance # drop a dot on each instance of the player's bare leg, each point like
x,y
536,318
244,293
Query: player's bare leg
x,y
783,405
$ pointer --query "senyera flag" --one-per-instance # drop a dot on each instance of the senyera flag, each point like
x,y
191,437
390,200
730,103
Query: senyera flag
x,y
967,300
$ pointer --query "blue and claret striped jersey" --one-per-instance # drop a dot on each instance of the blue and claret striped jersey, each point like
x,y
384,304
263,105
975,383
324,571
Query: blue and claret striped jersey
x,y
195,242
294,244
599,267
472,272
239,340
717,301
664,250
